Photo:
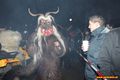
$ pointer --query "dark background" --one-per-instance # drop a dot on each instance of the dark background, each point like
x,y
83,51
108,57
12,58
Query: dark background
x,y
14,15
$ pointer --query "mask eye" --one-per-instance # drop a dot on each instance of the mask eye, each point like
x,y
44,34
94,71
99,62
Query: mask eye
x,y
48,22
42,21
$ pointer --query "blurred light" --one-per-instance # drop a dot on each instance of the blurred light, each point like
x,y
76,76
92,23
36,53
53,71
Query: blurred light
x,y
26,25
70,19
25,32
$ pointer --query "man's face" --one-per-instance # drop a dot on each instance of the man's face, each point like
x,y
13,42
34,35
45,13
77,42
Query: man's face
x,y
93,25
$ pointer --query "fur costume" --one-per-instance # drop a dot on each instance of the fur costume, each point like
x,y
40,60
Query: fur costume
x,y
46,46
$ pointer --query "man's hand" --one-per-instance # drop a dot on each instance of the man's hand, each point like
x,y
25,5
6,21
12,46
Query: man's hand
x,y
57,44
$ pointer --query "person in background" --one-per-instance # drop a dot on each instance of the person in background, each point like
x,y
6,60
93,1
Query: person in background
x,y
91,49
109,57
11,54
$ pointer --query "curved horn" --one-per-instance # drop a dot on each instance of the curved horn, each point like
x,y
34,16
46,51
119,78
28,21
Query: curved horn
x,y
32,13
55,12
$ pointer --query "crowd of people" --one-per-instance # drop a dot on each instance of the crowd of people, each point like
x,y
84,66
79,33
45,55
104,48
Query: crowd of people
x,y
46,46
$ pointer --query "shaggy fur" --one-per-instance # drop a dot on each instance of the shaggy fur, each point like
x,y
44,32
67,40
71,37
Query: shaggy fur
x,y
10,40
46,50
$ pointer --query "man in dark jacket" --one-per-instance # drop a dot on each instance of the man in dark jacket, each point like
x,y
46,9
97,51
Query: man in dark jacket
x,y
98,31
109,57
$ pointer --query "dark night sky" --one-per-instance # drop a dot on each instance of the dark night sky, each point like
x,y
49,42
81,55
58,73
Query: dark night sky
x,y
14,14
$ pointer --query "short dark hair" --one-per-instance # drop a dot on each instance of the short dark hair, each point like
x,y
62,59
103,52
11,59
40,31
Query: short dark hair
x,y
97,18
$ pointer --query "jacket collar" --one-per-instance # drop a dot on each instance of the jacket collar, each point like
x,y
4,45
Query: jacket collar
x,y
97,31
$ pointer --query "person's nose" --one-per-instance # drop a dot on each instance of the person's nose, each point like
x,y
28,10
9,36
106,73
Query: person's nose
x,y
89,26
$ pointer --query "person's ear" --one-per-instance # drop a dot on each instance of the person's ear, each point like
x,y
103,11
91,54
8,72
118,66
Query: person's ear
x,y
97,24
